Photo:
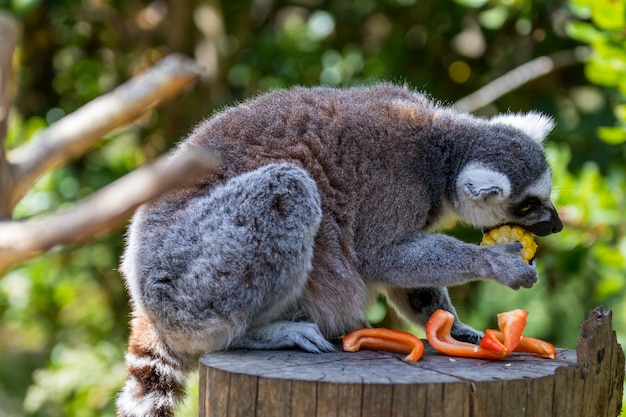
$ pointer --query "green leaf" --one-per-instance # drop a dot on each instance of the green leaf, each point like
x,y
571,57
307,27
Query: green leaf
x,y
620,112
608,14
612,135
494,18
606,72
583,32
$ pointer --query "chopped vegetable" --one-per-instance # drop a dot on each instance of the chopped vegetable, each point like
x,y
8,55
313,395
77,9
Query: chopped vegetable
x,y
493,343
512,324
509,234
531,345
438,334
385,339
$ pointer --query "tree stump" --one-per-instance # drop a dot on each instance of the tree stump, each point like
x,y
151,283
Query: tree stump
x,y
587,382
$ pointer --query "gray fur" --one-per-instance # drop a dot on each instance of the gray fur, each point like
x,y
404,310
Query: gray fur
x,y
323,195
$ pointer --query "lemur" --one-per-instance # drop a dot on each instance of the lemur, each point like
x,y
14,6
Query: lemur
x,y
324,197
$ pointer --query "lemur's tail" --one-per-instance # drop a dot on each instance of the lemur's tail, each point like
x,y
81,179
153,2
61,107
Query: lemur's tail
x,y
156,379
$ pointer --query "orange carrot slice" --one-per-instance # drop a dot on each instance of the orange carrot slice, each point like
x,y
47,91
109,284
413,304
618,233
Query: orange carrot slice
x,y
385,339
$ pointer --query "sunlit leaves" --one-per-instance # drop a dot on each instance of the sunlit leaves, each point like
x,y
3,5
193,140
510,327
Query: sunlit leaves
x,y
82,373
607,65
21,131
583,31
612,134
606,14
494,18
593,206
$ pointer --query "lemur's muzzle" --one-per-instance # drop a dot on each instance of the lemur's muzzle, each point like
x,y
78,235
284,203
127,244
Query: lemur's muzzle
x,y
554,225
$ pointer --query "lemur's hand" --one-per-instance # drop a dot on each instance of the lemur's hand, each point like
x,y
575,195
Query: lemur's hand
x,y
508,268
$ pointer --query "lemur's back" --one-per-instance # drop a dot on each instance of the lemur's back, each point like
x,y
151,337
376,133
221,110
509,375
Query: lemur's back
x,y
320,129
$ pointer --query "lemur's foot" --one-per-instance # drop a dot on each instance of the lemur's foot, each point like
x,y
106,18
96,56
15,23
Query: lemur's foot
x,y
464,333
286,334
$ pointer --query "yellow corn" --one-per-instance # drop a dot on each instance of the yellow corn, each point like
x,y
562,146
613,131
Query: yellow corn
x,y
510,234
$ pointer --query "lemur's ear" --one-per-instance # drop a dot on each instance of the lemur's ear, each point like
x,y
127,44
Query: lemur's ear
x,y
478,182
534,124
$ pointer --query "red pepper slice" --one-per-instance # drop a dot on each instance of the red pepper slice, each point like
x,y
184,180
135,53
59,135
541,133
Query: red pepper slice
x,y
493,344
512,324
438,334
385,339
531,345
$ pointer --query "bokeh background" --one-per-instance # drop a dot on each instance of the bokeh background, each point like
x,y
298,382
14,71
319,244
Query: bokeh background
x,y
63,315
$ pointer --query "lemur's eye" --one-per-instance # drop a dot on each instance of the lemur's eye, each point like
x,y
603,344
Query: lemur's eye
x,y
528,205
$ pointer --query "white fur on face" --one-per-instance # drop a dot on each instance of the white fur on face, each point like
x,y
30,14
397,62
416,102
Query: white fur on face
x,y
481,196
535,125
483,214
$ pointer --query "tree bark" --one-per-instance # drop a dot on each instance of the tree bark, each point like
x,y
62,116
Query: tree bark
x,y
8,40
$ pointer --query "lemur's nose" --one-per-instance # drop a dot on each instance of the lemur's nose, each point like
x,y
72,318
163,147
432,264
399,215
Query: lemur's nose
x,y
557,224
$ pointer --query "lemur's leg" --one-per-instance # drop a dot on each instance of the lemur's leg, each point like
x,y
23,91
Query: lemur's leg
x,y
244,252
418,304
209,271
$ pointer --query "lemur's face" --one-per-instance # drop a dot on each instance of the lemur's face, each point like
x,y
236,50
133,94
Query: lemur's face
x,y
485,200
513,185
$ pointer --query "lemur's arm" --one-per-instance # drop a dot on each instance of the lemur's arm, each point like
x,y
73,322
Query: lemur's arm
x,y
435,260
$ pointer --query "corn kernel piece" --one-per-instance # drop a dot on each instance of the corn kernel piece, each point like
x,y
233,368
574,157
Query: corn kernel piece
x,y
509,234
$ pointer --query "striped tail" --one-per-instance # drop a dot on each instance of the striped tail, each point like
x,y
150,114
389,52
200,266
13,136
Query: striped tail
x,y
156,379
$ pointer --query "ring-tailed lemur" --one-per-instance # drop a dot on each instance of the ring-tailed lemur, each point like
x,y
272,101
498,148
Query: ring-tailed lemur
x,y
324,196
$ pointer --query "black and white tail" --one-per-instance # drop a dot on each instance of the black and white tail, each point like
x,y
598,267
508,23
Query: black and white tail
x,y
156,379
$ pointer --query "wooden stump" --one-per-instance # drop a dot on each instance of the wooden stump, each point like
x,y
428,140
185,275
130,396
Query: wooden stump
x,y
587,382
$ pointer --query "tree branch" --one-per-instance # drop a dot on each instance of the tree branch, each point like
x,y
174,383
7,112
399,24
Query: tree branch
x,y
8,40
75,134
519,76
103,211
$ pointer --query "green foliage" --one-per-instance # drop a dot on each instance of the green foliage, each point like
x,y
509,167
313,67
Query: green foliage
x,y
607,64
64,315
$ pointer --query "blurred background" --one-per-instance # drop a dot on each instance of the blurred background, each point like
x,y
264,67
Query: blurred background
x,y
63,316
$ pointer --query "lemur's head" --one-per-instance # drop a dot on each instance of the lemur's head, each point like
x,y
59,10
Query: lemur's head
x,y
508,180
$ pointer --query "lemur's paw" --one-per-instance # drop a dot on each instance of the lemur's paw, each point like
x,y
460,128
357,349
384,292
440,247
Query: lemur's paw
x,y
464,333
286,334
307,336
508,268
